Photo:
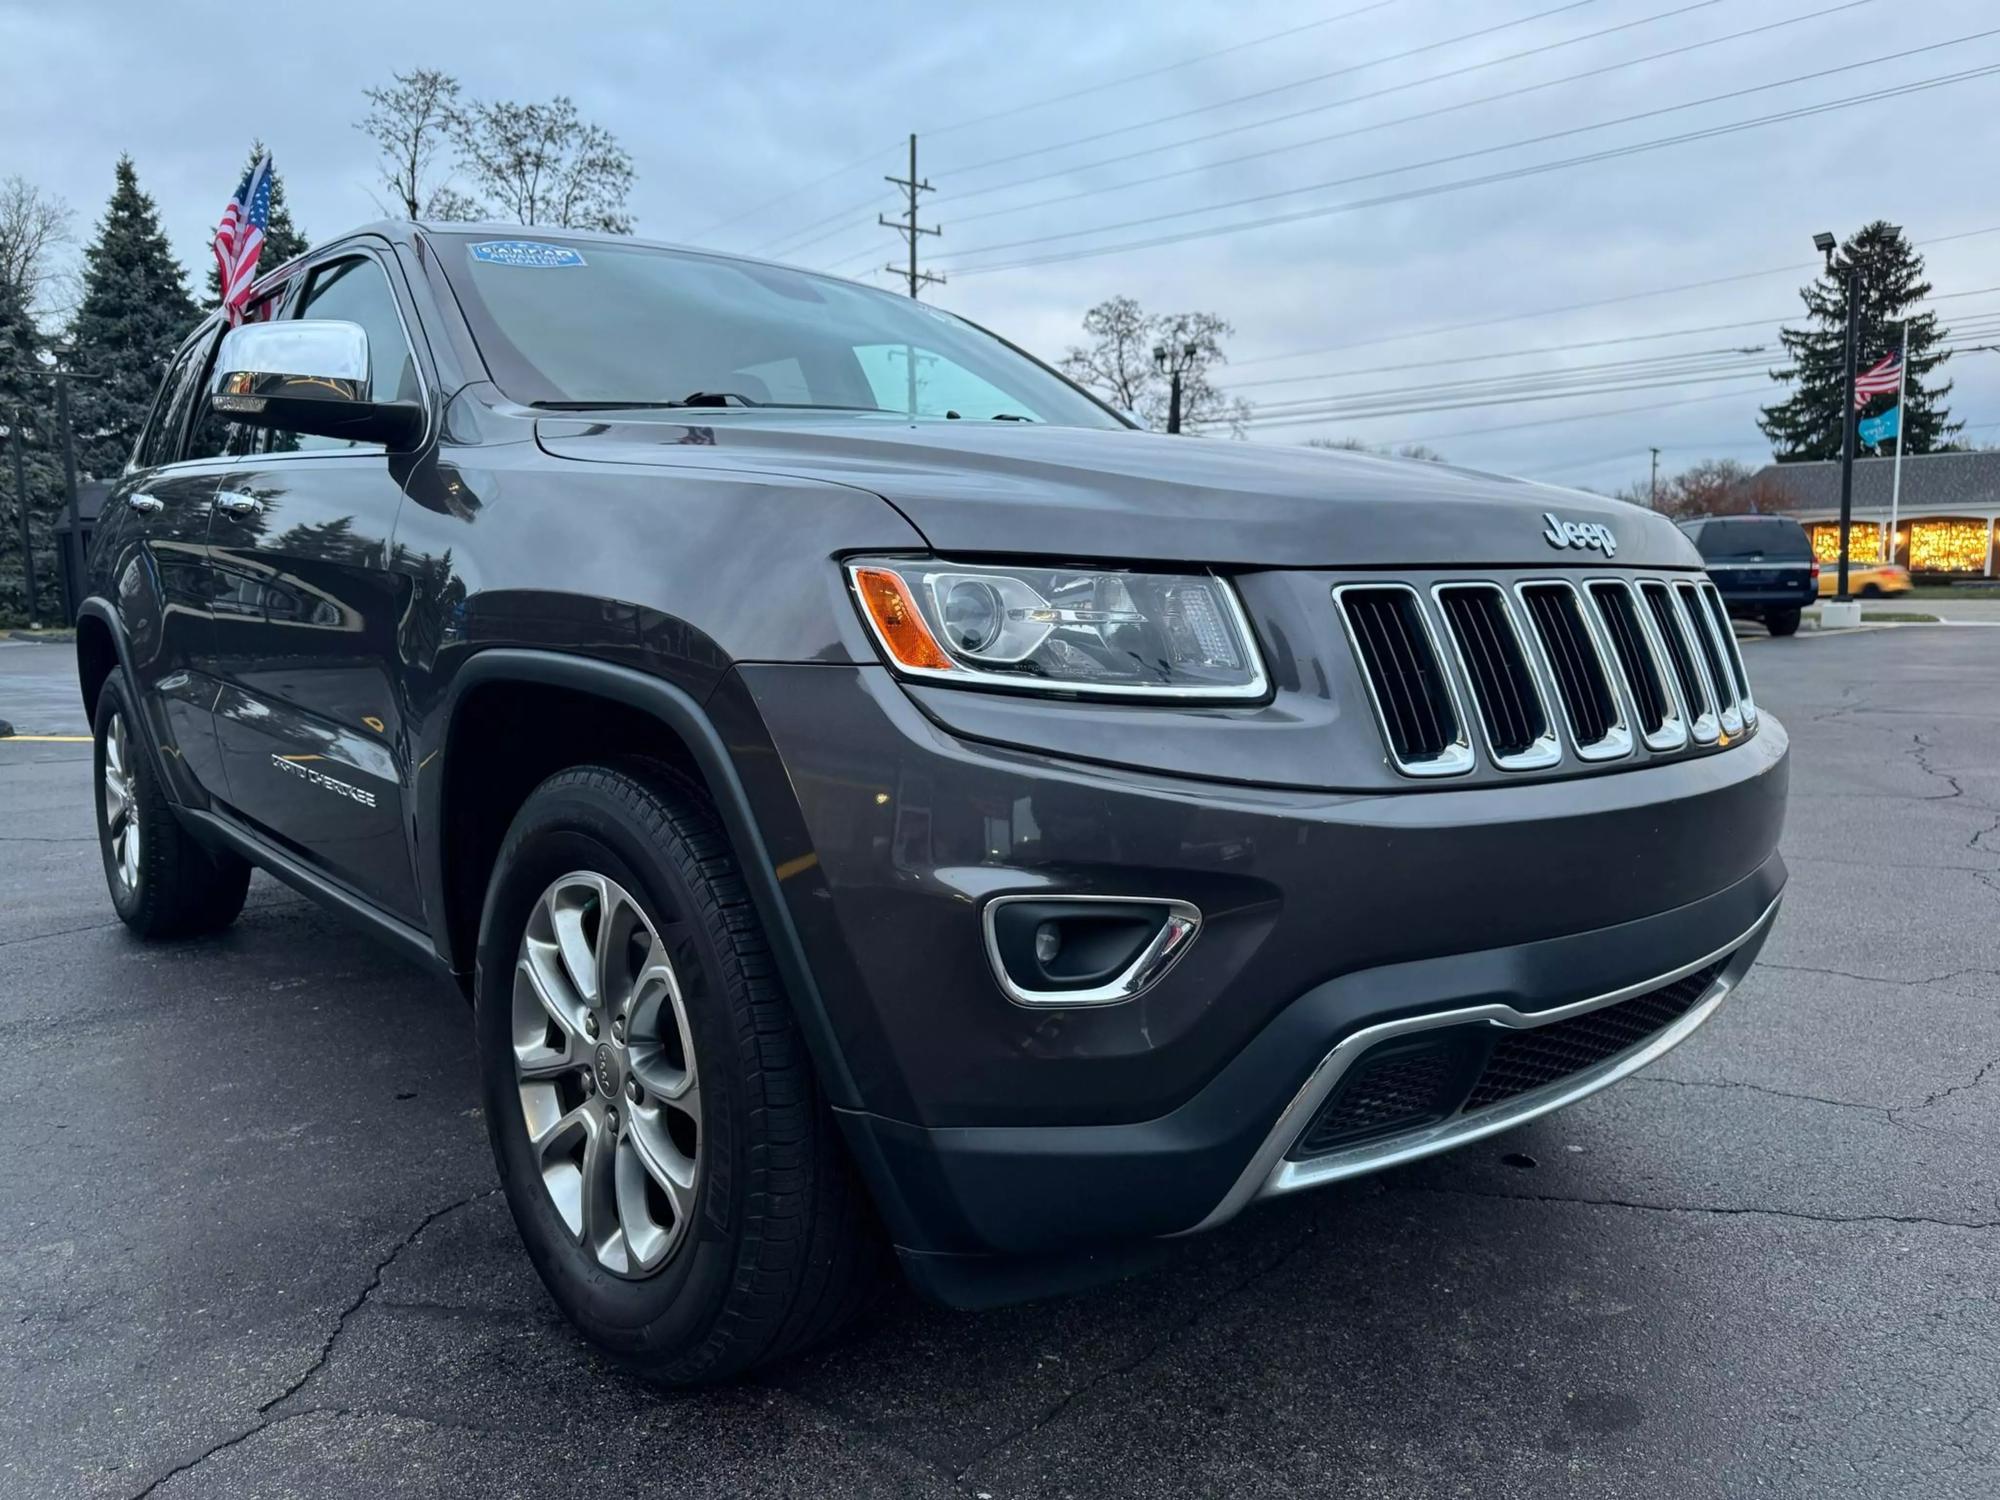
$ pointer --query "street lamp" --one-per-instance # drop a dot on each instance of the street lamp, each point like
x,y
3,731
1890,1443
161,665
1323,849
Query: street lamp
x,y
1166,364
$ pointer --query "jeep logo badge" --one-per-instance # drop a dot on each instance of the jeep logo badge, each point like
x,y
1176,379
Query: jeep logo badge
x,y
1589,534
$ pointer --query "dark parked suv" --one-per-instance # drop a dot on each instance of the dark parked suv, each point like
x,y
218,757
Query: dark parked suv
x,y
875,797
1763,566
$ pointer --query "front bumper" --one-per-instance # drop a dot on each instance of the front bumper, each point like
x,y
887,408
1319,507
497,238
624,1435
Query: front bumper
x,y
988,1129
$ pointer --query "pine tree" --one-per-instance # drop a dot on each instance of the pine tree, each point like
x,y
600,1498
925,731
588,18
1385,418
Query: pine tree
x,y
135,312
24,412
1806,425
282,238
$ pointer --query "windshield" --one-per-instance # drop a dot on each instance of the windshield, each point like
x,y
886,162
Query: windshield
x,y
575,323
1776,539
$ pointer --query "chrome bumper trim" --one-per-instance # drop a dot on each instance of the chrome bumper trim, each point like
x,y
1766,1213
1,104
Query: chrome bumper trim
x,y
1270,1173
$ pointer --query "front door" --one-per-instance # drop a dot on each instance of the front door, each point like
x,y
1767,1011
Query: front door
x,y
150,553
305,616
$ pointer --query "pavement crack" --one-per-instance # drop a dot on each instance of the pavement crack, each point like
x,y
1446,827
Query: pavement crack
x,y
374,1281
1921,979
213,1449
1920,756
1126,1366
1719,1210
43,937
1758,1088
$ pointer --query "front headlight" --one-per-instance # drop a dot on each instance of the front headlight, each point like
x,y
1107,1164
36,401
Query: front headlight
x,y
1067,630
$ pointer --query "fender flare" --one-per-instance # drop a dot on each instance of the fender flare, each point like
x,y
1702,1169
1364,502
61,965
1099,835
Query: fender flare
x,y
685,717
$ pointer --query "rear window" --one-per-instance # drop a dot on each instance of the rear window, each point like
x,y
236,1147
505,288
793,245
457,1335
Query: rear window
x,y
1772,538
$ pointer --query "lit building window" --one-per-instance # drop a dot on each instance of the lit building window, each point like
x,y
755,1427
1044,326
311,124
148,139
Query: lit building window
x,y
1948,546
1864,539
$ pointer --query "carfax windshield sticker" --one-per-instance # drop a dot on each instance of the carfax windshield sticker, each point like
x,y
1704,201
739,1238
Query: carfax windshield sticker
x,y
531,253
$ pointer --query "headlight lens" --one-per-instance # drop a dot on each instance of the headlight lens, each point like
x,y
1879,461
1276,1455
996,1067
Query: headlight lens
x,y
1071,630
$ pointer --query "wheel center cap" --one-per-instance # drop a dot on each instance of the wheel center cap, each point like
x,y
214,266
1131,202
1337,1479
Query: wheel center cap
x,y
610,1077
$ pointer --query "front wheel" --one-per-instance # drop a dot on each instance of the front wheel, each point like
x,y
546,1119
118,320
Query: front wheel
x,y
676,1179
1782,622
163,884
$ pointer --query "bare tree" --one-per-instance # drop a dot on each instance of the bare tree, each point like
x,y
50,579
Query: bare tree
x,y
1133,356
34,227
411,120
543,164
1423,451
1710,487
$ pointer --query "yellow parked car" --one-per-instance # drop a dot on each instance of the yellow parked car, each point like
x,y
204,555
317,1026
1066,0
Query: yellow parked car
x,y
1865,580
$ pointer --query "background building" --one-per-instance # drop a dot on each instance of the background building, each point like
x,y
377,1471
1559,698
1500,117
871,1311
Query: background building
x,y
1944,527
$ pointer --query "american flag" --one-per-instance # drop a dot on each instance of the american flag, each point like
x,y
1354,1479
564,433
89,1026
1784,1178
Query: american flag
x,y
240,236
1879,379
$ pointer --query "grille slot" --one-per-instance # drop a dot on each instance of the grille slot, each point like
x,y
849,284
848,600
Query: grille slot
x,y
1406,680
1651,698
1504,691
1576,668
1710,652
1719,612
1394,1087
1534,1058
1680,652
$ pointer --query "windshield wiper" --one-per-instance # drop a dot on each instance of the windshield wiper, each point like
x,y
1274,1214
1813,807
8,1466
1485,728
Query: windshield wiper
x,y
697,399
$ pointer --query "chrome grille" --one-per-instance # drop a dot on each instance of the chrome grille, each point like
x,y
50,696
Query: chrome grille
x,y
1506,697
1541,666
1577,668
1708,655
1414,698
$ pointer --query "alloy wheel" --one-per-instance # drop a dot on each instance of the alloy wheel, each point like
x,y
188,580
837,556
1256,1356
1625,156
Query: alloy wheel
x,y
121,805
606,1075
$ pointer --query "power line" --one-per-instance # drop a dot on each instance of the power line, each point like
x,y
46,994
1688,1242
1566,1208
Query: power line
x,y
1374,62
1458,156
1187,62
1431,114
1509,175
1391,404
786,197
1458,360
1570,307
1414,83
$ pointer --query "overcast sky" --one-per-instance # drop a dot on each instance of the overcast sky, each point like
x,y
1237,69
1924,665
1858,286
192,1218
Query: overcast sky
x,y
726,106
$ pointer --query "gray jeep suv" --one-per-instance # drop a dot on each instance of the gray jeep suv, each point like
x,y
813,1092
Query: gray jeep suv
x,y
876,800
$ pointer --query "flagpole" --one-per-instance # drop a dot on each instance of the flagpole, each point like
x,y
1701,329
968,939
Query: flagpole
x,y
1902,437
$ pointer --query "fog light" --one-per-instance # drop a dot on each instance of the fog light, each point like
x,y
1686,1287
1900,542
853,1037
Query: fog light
x,y
1048,942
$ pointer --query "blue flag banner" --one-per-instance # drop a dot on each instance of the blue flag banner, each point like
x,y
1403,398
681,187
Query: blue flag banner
x,y
1874,431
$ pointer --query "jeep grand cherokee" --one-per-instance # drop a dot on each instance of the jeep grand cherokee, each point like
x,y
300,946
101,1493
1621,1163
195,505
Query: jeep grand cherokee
x,y
872,795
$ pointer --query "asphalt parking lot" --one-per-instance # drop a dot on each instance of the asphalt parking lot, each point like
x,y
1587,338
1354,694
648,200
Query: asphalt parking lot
x,y
250,1244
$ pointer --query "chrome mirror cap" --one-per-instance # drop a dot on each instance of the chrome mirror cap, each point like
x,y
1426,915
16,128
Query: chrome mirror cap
x,y
313,359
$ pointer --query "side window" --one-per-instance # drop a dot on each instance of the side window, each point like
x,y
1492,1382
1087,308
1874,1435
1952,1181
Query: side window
x,y
218,437
161,441
358,291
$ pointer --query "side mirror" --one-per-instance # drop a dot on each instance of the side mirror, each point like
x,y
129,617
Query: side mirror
x,y
309,375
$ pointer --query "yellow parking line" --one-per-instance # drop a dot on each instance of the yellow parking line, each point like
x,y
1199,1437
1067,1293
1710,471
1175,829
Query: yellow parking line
x,y
46,739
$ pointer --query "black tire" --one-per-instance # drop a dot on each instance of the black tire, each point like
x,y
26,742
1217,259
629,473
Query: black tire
x,y
1782,622
176,888
781,1247
1871,591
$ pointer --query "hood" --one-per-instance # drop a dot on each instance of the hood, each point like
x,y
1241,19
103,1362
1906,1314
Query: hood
x,y
1085,494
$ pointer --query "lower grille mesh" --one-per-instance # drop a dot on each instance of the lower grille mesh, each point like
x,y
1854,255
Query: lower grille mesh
x,y
1409,1082
1524,1060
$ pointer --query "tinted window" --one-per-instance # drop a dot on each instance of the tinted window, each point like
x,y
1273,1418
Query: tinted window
x,y
1770,537
610,324
160,443
358,291
214,436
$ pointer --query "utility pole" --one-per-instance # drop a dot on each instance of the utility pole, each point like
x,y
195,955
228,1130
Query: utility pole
x,y
75,553
1655,500
908,227
1826,244
17,440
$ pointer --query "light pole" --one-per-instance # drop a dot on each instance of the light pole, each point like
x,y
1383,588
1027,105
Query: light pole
x,y
74,552
1826,245
17,441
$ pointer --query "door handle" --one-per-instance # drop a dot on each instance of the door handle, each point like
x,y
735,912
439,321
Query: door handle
x,y
145,504
238,505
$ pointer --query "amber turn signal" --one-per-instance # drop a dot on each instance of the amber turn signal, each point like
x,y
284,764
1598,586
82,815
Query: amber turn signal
x,y
897,620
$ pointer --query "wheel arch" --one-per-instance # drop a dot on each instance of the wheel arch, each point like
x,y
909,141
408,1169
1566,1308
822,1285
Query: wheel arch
x,y
608,710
